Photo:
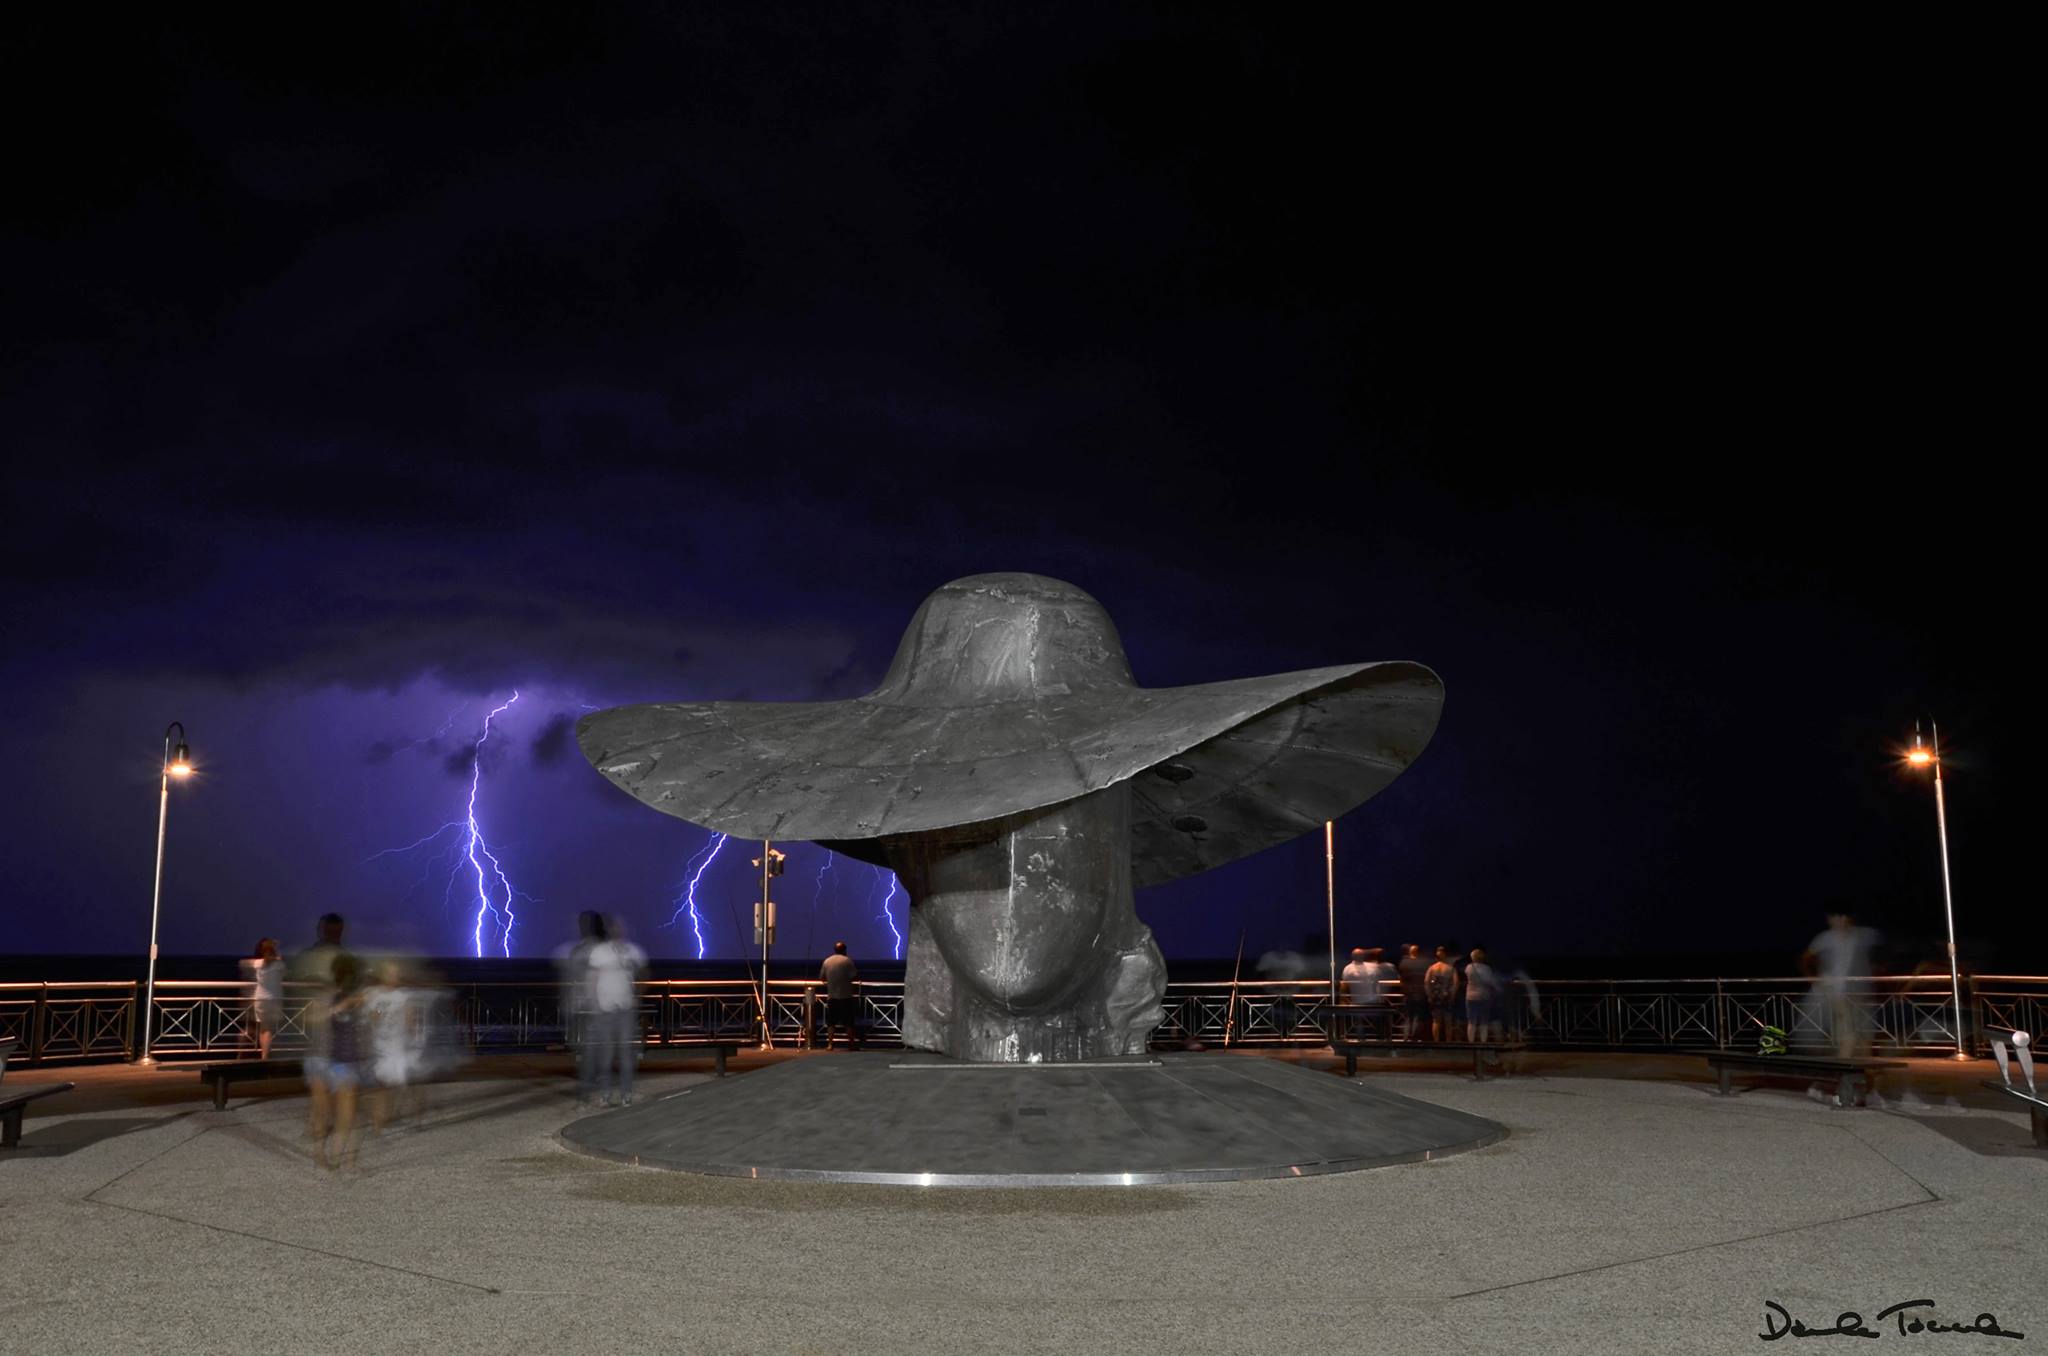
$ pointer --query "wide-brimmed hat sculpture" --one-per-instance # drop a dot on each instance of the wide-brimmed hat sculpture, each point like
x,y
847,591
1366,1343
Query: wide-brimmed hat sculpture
x,y
1019,782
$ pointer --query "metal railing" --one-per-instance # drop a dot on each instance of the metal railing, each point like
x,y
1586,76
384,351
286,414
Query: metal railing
x,y
75,1022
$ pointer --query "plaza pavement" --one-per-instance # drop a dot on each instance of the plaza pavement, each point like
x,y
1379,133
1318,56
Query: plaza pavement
x,y
1629,1210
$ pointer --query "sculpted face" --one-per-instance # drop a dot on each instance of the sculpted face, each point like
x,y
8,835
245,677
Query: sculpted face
x,y
1018,913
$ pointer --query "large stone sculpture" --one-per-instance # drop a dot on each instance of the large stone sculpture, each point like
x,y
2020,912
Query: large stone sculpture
x,y
1020,784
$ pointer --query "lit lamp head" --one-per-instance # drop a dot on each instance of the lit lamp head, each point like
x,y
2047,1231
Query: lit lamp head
x,y
1919,755
181,760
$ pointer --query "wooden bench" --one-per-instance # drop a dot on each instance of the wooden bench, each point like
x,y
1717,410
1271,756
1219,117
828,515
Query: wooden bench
x,y
718,1052
219,1076
1481,1051
2037,1107
14,1098
1853,1077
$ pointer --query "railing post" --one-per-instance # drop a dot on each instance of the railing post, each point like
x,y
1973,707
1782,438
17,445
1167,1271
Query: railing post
x,y
36,1022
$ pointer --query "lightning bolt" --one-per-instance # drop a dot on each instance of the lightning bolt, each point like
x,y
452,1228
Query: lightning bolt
x,y
688,899
889,915
468,844
484,906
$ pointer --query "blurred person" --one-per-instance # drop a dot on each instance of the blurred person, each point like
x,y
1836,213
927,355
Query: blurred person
x,y
841,979
1301,966
1839,959
315,966
579,1026
614,965
1520,1005
390,1013
1440,982
1459,959
1412,971
345,1068
264,970
1483,991
1364,989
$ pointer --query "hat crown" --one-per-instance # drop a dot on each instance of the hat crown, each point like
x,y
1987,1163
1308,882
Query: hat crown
x,y
1004,637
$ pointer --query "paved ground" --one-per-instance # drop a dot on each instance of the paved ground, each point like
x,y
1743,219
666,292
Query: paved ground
x,y
1623,1214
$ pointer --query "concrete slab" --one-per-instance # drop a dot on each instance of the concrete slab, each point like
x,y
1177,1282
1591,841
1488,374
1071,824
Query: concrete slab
x,y
885,1118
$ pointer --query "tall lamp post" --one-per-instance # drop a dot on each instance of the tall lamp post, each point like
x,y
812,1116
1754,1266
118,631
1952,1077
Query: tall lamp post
x,y
177,763
1928,755
1330,907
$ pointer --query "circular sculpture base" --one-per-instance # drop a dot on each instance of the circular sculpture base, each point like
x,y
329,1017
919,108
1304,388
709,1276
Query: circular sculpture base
x,y
909,1119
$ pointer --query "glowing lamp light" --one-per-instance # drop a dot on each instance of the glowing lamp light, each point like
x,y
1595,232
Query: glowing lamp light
x,y
1920,756
181,761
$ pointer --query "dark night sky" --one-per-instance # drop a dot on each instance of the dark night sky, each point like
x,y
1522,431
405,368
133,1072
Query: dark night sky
x,y
359,374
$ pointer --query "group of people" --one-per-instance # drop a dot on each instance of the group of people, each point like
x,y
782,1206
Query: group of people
x,y
370,1035
1452,996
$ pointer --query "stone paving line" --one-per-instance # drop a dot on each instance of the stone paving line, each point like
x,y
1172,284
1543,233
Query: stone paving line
x,y
1619,1215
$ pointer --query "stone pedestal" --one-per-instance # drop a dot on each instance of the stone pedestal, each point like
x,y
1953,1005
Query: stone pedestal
x,y
1025,945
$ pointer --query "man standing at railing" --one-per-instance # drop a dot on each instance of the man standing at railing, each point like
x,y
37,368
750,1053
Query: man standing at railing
x,y
1440,981
1363,991
842,995
1414,970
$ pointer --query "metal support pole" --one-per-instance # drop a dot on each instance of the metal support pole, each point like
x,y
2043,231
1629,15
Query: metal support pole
x,y
1955,975
767,1037
156,899
1330,907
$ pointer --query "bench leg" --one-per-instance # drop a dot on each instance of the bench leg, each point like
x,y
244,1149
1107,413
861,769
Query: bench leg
x,y
1727,1083
220,1094
1479,1064
10,1126
1351,1070
718,1061
2040,1127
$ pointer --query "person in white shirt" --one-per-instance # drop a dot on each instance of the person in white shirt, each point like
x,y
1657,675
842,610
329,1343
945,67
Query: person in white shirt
x,y
388,1007
1365,992
612,966
1483,990
1839,960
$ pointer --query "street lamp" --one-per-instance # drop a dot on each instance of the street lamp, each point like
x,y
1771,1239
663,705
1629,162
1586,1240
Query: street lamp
x,y
1928,755
178,764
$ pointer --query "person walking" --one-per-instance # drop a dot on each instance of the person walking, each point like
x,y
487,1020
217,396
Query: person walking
x,y
615,964
579,1025
316,965
391,1014
1839,959
345,1068
1482,999
1440,982
841,979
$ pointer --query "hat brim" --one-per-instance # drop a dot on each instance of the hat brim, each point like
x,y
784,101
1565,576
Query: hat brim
x,y
1218,770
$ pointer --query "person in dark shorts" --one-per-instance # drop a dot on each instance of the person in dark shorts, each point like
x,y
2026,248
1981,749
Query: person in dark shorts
x,y
1440,982
1414,993
348,1059
842,990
